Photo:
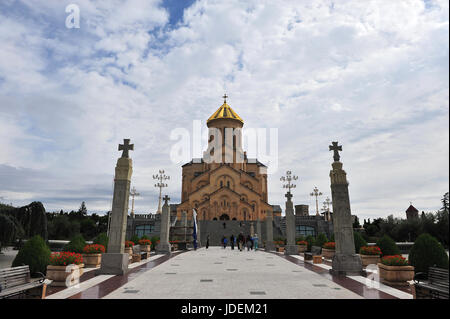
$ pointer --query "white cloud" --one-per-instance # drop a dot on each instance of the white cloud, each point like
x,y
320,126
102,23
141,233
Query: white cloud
x,y
372,75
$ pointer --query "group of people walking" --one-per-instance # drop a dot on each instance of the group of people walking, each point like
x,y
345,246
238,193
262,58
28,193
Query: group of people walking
x,y
241,242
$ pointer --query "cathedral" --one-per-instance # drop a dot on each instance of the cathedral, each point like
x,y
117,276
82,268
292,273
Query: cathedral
x,y
224,184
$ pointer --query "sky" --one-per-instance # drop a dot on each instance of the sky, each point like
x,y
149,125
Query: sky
x,y
373,75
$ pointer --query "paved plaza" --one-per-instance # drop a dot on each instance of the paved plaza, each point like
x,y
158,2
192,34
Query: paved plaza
x,y
218,273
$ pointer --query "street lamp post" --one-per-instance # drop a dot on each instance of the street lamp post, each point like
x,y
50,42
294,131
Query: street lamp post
x,y
288,178
316,193
161,177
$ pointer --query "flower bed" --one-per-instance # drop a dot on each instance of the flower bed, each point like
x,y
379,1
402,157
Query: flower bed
x,y
395,270
302,246
146,245
65,268
331,245
65,258
328,250
145,242
93,255
395,260
94,249
370,255
129,247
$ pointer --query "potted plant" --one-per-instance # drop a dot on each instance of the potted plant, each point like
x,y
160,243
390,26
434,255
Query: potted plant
x,y
328,250
395,270
64,268
145,244
92,255
370,255
302,246
129,247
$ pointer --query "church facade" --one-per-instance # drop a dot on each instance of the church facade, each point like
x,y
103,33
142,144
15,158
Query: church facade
x,y
225,184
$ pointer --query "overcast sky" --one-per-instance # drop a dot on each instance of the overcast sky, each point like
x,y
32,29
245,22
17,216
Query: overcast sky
x,y
372,75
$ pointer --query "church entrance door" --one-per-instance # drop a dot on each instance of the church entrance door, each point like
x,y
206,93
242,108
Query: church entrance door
x,y
224,217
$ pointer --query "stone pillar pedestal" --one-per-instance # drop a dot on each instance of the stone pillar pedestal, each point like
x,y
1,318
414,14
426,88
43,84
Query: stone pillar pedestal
x,y
115,261
346,264
114,264
345,260
290,248
269,246
164,246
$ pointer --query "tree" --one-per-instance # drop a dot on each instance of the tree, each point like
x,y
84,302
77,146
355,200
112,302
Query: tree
x,y
35,253
388,246
445,203
356,223
426,252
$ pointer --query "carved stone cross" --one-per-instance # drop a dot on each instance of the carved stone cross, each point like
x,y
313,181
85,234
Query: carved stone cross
x,y
166,199
125,147
288,196
334,147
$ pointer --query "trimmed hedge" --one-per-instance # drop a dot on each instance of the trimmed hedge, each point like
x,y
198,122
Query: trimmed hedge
x,y
388,246
427,251
101,239
76,245
359,241
320,240
35,253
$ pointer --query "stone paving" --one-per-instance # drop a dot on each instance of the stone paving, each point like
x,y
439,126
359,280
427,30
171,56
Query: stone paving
x,y
219,273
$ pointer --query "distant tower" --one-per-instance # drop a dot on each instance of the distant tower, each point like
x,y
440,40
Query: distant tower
x,y
412,212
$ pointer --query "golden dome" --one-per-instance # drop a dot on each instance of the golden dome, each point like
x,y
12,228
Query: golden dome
x,y
225,112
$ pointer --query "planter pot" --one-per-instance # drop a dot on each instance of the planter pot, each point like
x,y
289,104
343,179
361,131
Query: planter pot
x,y
129,250
92,260
64,276
302,248
369,260
327,253
396,275
280,249
146,248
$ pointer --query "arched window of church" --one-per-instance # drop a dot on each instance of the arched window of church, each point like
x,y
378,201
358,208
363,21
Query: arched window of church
x,y
228,184
221,183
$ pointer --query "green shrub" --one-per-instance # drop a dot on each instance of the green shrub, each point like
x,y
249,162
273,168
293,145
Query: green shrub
x,y
135,239
101,239
332,237
300,238
320,240
359,241
76,245
427,251
311,242
388,246
144,237
35,253
154,241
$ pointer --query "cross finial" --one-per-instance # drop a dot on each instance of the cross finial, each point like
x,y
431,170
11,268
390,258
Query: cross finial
x,y
166,199
125,147
225,98
288,196
334,147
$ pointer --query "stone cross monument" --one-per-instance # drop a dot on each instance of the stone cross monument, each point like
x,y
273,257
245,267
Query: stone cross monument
x,y
345,260
269,246
115,261
291,248
164,246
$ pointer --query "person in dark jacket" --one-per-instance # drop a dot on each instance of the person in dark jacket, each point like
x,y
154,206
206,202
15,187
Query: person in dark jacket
x,y
207,241
249,242
232,242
